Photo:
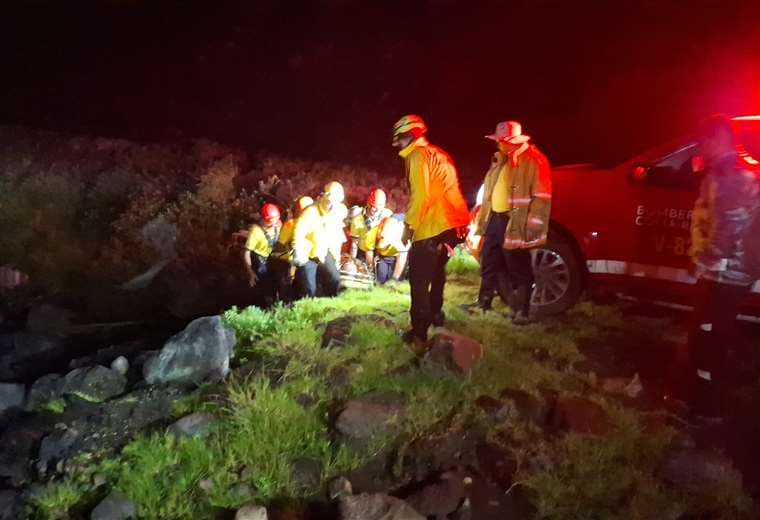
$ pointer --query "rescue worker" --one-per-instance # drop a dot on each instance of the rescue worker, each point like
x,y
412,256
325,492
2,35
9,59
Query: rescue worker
x,y
389,253
280,265
336,226
721,233
436,220
513,218
258,246
365,225
311,249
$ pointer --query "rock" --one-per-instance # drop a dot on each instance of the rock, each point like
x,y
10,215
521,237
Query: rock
x,y
307,475
337,332
339,487
206,485
452,353
55,447
251,512
9,507
527,407
198,424
11,396
116,506
440,498
200,352
700,471
49,319
375,507
94,384
44,390
372,414
581,415
120,365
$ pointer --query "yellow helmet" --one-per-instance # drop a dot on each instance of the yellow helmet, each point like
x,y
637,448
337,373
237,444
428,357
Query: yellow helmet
x,y
407,124
335,190
304,202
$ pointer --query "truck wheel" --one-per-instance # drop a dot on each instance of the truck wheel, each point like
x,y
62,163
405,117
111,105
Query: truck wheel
x,y
559,276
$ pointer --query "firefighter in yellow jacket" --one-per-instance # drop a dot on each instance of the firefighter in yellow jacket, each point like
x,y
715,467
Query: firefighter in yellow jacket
x,y
282,253
311,249
258,247
365,225
436,220
513,218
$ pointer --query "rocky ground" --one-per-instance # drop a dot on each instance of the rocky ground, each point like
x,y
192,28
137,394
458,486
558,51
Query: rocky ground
x,y
319,411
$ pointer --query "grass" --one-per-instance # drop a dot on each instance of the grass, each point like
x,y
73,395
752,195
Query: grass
x,y
55,500
265,426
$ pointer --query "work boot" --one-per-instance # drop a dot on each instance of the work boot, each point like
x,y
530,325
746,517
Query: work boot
x,y
476,307
415,343
439,320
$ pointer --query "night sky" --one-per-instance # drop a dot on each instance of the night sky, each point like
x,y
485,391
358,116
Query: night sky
x,y
326,79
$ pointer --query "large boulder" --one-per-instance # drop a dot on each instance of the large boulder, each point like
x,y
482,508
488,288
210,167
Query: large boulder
x,y
376,413
200,352
375,506
9,506
452,353
11,396
116,506
95,384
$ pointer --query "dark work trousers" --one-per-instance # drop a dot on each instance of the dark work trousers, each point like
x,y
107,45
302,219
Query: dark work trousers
x,y
384,266
315,274
265,286
427,278
712,334
279,269
504,271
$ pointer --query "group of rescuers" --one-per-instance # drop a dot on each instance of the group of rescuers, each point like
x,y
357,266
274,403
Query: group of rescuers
x,y
298,258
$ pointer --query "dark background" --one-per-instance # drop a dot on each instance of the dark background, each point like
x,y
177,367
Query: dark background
x,y
326,79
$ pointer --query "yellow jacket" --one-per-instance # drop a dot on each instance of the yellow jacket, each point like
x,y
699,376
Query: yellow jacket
x,y
261,240
336,229
283,249
310,236
436,203
365,230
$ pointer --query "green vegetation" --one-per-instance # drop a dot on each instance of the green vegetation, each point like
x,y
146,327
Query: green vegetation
x,y
54,501
279,414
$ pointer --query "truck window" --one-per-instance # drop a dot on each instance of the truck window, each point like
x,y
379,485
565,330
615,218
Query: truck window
x,y
674,170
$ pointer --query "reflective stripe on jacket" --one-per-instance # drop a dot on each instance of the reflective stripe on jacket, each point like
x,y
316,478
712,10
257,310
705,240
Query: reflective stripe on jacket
x,y
530,198
436,203
723,212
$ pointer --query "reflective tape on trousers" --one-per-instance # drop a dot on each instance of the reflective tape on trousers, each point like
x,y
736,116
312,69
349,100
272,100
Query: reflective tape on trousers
x,y
657,272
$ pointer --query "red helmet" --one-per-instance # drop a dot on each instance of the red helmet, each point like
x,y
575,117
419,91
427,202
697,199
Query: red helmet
x,y
376,199
270,213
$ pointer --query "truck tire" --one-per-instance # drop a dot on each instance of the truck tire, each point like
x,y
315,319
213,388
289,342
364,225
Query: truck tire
x,y
559,276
